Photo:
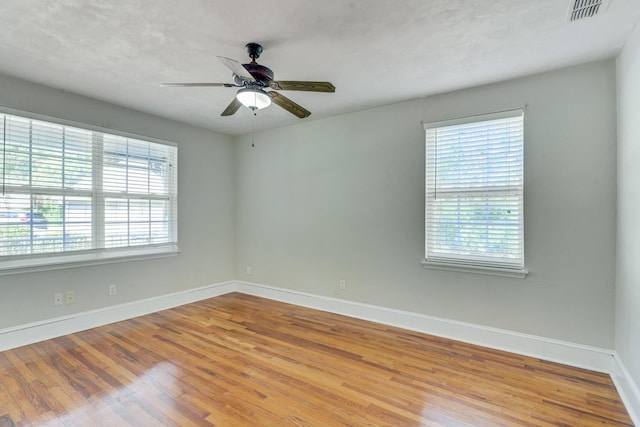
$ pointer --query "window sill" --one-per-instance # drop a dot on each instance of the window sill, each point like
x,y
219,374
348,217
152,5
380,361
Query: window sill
x,y
493,271
57,262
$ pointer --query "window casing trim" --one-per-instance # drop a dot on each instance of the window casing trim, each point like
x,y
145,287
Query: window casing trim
x,y
476,118
518,273
464,263
58,261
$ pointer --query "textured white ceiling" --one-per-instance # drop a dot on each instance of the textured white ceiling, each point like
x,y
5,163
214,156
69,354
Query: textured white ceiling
x,y
374,51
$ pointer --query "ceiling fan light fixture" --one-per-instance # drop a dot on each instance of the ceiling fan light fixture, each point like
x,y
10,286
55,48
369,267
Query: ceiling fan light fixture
x,y
253,98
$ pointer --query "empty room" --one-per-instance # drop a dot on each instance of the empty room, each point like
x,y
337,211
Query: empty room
x,y
305,213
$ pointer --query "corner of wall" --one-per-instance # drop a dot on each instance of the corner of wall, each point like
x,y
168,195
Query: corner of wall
x,y
627,299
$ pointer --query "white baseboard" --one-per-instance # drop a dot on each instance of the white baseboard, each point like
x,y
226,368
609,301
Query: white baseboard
x,y
627,388
582,356
39,331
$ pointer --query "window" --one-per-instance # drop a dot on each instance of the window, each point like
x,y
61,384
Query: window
x,y
474,194
69,191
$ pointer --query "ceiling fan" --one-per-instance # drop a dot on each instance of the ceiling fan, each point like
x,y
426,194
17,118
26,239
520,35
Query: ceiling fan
x,y
253,79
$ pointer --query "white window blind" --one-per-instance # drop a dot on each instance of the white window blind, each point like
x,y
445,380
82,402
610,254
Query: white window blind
x,y
474,192
65,190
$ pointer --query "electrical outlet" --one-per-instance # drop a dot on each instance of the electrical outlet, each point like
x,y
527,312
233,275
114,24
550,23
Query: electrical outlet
x,y
248,270
343,284
70,297
113,289
57,299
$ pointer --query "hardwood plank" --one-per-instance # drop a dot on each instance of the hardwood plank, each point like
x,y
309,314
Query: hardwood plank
x,y
242,360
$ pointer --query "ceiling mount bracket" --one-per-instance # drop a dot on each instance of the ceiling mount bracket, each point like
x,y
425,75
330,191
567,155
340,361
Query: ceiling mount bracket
x,y
254,50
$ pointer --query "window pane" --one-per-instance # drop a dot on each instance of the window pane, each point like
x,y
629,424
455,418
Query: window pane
x,y
116,215
132,222
15,229
116,235
483,226
139,220
159,232
159,220
17,151
115,164
46,155
127,222
138,176
78,159
78,229
137,167
44,224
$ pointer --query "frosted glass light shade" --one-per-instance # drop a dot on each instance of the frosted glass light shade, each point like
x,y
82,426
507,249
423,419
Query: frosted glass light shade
x,y
255,99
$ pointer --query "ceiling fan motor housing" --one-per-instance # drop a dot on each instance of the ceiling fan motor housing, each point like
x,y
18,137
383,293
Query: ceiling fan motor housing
x,y
262,74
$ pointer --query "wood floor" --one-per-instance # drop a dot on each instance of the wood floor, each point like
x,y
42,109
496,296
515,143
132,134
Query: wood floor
x,y
242,360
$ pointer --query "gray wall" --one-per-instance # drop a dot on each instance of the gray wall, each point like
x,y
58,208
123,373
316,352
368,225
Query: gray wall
x,y
206,221
343,198
628,249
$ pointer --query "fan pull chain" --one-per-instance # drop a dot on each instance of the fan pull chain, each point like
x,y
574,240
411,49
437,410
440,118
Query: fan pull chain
x,y
253,129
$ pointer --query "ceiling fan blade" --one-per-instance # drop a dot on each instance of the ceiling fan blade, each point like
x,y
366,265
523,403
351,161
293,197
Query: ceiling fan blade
x,y
237,68
232,108
308,86
289,105
198,84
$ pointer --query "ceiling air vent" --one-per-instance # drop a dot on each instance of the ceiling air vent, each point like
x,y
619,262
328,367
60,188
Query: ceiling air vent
x,y
579,9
